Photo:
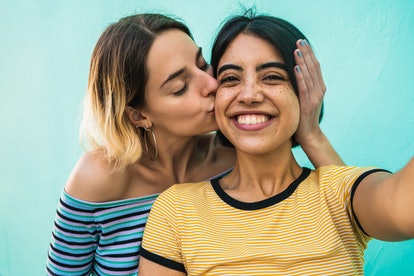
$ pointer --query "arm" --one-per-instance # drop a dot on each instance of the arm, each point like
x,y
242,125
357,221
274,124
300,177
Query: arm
x,y
384,204
74,240
311,92
75,234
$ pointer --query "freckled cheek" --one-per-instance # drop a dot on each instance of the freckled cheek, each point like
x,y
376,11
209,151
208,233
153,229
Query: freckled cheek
x,y
222,103
291,106
219,113
223,99
295,113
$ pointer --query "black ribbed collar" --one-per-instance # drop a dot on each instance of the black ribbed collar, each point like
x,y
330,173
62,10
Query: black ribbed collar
x,y
259,204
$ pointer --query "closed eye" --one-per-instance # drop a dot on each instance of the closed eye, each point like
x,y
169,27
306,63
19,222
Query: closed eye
x,y
181,91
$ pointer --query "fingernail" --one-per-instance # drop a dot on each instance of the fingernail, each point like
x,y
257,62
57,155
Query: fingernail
x,y
302,42
297,68
305,42
299,52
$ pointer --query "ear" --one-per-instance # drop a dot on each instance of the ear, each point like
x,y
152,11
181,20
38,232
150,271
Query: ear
x,y
138,118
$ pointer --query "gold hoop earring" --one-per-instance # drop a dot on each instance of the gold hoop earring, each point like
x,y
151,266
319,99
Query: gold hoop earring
x,y
146,144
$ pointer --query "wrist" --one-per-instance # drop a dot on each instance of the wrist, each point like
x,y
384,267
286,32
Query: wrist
x,y
312,140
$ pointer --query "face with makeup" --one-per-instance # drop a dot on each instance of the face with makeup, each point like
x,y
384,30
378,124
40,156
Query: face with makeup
x,y
256,106
180,89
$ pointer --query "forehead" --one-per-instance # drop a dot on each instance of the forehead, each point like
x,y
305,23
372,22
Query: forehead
x,y
247,48
171,50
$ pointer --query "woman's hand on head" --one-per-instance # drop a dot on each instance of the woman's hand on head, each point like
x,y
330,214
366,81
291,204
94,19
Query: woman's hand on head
x,y
311,92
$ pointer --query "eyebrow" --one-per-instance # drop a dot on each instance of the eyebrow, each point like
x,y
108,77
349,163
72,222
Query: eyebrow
x,y
180,71
228,67
258,68
270,65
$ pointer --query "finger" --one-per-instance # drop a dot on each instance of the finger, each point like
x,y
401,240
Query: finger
x,y
303,91
306,77
313,64
310,89
310,74
317,67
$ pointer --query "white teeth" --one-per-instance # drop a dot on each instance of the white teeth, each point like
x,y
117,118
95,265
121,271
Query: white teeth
x,y
251,119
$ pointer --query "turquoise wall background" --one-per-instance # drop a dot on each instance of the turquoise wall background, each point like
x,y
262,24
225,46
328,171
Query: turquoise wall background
x,y
366,52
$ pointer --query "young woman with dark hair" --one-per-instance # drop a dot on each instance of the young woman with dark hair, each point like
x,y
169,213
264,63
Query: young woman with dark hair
x,y
269,215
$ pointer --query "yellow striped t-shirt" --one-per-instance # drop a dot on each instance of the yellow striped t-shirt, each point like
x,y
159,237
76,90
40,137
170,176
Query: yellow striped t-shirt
x,y
308,229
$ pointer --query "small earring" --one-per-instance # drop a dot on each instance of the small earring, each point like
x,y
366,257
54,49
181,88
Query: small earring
x,y
155,143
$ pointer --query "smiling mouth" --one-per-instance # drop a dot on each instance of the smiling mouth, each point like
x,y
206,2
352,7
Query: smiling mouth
x,y
252,119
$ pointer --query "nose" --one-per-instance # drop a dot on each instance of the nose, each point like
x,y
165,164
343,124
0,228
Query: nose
x,y
208,84
251,93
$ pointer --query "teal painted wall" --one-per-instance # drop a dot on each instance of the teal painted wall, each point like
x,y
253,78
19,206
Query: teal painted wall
x,y
365,48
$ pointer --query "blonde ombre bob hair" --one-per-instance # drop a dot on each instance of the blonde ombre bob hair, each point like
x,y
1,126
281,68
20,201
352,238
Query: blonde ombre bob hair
x,y
117,79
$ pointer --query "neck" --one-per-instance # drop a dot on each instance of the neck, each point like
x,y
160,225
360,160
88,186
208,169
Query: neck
x,y
257,177
176,157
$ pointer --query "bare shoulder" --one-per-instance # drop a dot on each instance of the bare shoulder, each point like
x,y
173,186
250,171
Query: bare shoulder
x,y
92,180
